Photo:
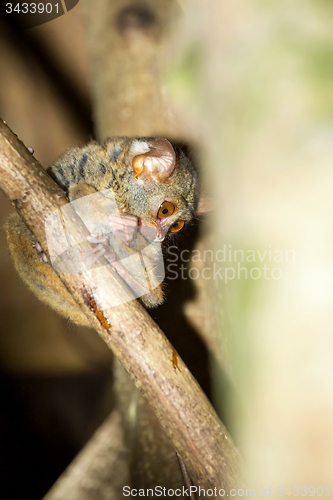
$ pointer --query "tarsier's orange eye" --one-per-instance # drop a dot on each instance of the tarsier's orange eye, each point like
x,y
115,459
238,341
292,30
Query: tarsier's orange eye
x,y
165,210
177,226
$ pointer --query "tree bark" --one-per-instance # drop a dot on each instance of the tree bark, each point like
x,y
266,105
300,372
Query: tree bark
x,y
183,410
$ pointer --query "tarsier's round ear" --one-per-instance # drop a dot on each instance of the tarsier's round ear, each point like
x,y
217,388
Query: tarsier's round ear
x,y
157,164
205,204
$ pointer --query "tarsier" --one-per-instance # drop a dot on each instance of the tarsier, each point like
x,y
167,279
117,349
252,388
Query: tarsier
x,y
156,189
157,192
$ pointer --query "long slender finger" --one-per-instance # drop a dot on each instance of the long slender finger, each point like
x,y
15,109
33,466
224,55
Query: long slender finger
x,y
128,230
95,258
92,256
125,235
124,220
92,251
110,255
98,239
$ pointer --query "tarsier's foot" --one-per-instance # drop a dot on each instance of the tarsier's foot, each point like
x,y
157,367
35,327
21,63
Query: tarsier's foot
x,y
123,226
102,249
40,253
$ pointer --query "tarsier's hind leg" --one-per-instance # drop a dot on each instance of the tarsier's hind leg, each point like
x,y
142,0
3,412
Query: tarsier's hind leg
x,y
39,276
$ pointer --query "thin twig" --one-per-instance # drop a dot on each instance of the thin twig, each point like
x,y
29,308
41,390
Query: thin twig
x,y
186,478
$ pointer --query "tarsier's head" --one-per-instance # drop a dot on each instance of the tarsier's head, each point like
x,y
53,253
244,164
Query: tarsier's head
x,y
163,186
150,179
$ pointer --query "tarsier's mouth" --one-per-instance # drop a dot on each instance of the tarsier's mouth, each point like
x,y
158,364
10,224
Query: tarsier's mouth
x,y
153,230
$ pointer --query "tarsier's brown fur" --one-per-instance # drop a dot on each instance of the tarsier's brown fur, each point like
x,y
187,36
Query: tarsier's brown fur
x,y
94,167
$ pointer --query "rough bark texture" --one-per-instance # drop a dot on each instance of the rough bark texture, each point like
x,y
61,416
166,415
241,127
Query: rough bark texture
x,y
125,44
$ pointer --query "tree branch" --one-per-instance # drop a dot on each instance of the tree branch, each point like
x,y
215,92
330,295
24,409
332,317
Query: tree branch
x,y
183,410
99,471
126,45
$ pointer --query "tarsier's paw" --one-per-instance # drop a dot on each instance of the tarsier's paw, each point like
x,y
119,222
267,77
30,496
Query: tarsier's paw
x,y
40,253
102,249
123,226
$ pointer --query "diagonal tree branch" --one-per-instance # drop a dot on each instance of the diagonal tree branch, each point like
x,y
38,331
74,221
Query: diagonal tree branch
x,y
183,410
99,471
